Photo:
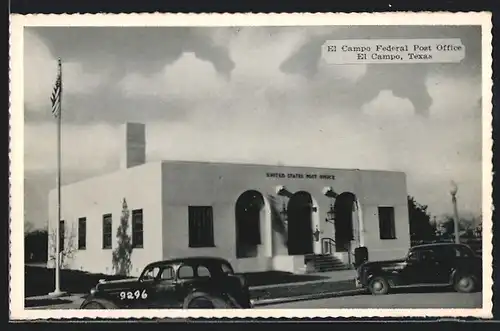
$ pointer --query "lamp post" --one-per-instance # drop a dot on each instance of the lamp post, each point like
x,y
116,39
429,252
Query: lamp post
x,y
330,214
284,214
453,192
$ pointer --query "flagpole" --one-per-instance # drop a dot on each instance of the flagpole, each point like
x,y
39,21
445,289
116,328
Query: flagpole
x,y
57,290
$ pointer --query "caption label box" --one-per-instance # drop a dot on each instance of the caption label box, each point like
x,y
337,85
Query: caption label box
x,y
393,51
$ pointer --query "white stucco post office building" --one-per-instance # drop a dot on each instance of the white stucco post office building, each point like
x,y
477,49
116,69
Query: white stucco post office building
x,y
259,217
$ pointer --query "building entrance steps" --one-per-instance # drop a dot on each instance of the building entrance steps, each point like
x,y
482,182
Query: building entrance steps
x,y
324,263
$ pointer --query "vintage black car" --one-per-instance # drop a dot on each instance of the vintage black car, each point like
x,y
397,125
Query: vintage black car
x,y
194,282
439,264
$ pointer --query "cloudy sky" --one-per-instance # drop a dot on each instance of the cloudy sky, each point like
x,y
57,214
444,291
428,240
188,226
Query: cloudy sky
x,y
256,95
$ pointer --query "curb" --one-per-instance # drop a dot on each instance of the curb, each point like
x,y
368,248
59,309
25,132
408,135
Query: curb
x,y
319,281
265,302
48,297
67,302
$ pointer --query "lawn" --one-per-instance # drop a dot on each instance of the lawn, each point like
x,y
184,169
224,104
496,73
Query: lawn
x,y
39,280
277,277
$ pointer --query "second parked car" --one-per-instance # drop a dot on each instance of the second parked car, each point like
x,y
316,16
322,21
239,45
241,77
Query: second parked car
x,y
440,264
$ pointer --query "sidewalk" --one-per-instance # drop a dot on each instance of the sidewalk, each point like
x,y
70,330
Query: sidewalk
x,y
330,276
69,301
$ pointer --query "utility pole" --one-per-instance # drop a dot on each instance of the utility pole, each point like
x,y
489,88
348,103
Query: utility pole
x,y
453,192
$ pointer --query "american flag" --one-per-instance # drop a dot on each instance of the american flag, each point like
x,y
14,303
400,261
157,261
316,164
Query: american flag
x,y
56,93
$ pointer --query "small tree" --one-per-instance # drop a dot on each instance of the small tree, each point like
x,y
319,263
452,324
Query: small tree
x,y
68,249
466,227
478,231
421,227
122,263
36,245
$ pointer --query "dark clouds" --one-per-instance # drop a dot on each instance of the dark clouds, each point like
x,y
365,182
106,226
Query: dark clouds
x,y
108,105
406,81
125,50
119,52
129,49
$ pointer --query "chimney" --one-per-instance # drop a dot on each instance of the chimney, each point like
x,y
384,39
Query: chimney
x,y
133,145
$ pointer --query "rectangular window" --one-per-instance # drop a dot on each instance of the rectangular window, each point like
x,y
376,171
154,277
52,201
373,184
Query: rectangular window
x,y
107,231
386,223
82,233
61,236
201,227
137,229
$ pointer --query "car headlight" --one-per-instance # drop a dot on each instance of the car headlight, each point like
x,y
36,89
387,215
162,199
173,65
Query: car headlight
x,y
93,290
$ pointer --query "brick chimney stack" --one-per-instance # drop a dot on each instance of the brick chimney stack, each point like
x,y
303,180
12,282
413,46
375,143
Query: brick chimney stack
x,y
133,145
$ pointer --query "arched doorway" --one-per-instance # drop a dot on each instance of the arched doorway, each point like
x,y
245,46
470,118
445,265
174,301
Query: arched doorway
x,y
300,232
344,207
249,207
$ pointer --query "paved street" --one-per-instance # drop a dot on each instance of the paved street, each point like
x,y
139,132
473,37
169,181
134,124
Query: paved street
x,y
434,299
398,300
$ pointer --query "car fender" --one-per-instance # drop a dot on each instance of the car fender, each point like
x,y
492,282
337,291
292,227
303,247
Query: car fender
x,y
86,299
458,270
213,292
374,272
217,299
453,274
369,277
392,279
98,296
208,290
106,304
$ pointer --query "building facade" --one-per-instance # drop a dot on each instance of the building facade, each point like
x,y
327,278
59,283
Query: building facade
x,y
259,217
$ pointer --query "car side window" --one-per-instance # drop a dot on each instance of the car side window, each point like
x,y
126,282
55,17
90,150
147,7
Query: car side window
x,y
167,274
203,271
427,255
450,252
186,271
442,253
226,269
462,252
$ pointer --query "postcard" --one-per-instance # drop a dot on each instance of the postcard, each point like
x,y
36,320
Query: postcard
x,y
250,165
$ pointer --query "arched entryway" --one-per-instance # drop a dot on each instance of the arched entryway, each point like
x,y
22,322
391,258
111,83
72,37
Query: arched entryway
x,y
249,208
345,206
300,231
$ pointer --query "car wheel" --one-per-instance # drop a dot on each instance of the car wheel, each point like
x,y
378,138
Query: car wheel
x,y
465,283
98,304
204,300
378,285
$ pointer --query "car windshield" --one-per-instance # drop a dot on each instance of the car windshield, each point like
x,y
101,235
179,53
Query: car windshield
x,y
463,251
419,253
410,252
150,273
164,272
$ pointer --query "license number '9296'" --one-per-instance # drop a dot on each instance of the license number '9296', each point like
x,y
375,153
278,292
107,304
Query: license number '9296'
x,y
133,295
